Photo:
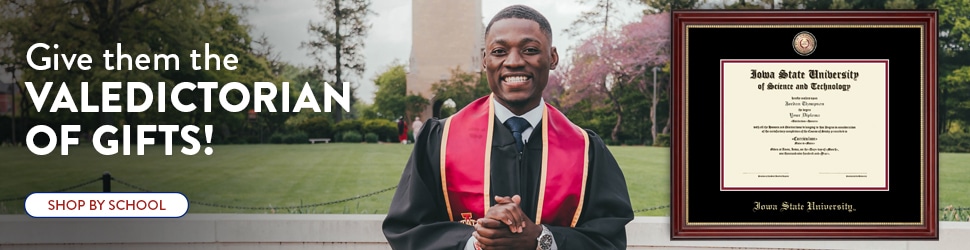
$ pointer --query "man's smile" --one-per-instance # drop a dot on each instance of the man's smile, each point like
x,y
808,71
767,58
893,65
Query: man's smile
x,y
516,81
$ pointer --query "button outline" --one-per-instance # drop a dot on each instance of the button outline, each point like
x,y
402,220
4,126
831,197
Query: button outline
x,y
188,205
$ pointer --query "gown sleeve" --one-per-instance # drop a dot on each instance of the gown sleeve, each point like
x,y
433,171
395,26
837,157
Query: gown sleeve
x,y
417,218
607,210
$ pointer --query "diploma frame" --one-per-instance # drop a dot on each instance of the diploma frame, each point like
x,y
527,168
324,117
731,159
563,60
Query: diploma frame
x,y
702,209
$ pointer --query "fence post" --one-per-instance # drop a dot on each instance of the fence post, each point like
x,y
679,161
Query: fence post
x,y
106,182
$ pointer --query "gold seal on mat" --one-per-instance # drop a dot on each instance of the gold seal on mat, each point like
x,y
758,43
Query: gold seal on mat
x,y
804,43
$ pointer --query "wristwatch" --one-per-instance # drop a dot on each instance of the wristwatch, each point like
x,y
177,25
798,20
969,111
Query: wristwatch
x,y
545,239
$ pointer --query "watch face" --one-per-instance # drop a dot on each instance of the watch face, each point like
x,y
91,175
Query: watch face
x,y
545,241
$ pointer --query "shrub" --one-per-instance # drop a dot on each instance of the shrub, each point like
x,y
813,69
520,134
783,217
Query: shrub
x,y
251,139
370,137
382,128
295,137
610,142
276,138
288,137
316,127
351,136
5,127
955,142
663,140
338,137
238,139
347,125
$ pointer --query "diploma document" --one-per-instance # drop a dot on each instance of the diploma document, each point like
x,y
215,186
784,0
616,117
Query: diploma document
x,y
804,124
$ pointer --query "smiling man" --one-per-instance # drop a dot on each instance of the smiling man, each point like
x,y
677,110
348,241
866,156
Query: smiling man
x,y
509,171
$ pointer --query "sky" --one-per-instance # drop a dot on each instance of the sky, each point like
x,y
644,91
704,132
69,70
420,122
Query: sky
x,y
389,39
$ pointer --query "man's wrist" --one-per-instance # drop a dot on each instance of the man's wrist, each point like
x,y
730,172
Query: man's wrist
x,y
471,244
545,240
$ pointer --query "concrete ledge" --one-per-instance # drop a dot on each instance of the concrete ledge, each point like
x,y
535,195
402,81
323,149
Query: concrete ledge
x,y
644,232
362,232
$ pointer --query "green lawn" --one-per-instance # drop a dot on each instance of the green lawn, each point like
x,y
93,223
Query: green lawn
x,y
954,180
239,175
290,175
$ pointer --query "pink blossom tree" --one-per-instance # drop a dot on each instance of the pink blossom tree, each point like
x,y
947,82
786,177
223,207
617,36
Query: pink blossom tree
x,y
626,57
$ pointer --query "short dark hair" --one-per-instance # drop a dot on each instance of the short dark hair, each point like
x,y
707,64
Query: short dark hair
x,y
522,12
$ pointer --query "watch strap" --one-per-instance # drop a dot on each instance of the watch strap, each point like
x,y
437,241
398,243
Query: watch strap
x,y
545,240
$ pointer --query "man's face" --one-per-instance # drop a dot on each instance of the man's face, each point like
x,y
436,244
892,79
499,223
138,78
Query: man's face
x,y
517,61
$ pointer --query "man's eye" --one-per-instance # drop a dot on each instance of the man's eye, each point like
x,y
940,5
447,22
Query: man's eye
x,y
498,52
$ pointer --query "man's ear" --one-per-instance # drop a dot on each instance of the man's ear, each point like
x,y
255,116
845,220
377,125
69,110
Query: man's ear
x,y
484,67
555,59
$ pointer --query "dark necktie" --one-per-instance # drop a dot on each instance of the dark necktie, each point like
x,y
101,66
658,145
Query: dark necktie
x,y
517,125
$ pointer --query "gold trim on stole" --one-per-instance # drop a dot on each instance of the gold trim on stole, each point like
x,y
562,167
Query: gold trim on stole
x,y
545,163
545,168
582,191
444,179
487,179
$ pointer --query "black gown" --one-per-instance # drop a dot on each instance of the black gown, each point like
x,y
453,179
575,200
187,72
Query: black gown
x,y
417,218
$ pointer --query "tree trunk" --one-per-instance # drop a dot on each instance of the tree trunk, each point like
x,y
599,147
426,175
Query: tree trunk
x,y
943,125
606,17
667,126
338,46
653,121
615,135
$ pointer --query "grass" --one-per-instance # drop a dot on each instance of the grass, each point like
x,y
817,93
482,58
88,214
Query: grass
x,y
240,175
287,176
954,186
647,173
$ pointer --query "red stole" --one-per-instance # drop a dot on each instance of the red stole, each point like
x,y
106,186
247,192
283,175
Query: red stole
x,y
466,148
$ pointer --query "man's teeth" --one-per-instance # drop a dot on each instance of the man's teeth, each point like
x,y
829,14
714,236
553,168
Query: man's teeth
x,y
516,78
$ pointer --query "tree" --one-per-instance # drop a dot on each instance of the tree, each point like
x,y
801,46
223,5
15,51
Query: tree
x,y
82,27
389,100
855,4
265,50
954,64
140,27
658,6
555,88
462,87
749,4
339,40
596,17
900,4
644,46
591,76
415,103
622,59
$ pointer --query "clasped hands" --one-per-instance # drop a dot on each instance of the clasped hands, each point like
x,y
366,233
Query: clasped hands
x,y
505,226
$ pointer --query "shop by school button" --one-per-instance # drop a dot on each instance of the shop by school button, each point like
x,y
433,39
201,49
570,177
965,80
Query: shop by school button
x,y
106,205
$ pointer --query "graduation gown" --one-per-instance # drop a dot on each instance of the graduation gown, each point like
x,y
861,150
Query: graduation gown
x,y
418,217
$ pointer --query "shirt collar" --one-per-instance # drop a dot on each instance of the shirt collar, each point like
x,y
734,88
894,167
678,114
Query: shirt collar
x,y
534,116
